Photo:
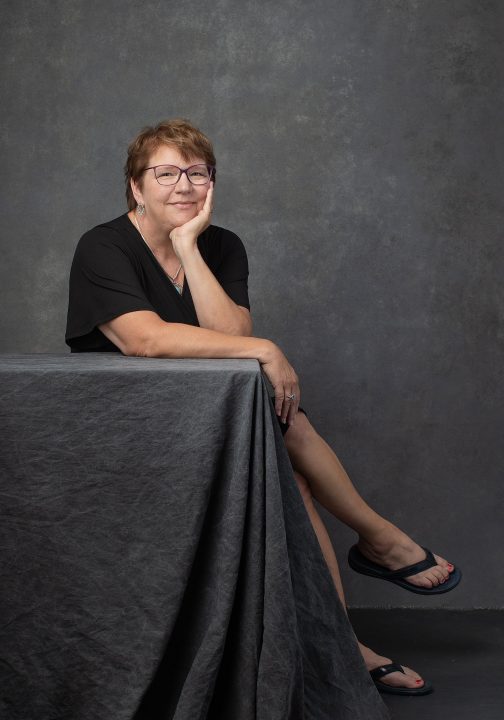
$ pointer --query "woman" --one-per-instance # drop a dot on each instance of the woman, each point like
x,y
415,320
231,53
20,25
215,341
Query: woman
x,y
161,281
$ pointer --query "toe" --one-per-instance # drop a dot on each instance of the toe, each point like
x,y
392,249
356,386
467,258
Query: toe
x,y
434,576
408,679
446,567
437,575
427,579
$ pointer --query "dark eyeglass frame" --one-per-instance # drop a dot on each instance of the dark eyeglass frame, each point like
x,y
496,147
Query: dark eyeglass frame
x,y
210,168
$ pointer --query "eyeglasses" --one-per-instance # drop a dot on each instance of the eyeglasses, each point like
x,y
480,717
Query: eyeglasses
x,y
171,174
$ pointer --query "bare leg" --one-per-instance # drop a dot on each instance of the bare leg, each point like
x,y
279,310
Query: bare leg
x,y
379,539
372,660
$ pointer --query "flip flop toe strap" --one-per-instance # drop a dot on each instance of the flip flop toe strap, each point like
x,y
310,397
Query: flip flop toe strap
x,y
383,670
428,562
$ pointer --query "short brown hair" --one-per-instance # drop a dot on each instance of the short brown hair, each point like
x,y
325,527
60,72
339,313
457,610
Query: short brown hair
x,y
179,133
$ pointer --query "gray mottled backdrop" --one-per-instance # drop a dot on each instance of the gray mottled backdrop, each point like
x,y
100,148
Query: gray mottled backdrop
x,y
360,158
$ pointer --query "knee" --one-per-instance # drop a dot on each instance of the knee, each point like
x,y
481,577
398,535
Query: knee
x,y
304,488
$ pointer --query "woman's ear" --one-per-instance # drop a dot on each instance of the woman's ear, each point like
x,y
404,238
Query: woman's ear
x,y
137,192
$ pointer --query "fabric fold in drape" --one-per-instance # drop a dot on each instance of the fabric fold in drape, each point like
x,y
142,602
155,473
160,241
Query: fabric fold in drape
x,y
156,558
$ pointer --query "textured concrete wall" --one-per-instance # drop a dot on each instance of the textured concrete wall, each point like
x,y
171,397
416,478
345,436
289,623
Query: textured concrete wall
x,y
361,160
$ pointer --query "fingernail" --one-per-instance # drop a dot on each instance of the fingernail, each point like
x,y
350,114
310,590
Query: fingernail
x,y
450,566
284,420
419,682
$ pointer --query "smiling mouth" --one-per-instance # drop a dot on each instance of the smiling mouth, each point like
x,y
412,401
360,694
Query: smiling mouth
x,y
183,204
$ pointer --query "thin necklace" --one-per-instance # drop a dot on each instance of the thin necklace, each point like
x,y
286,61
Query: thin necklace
x,y
178,287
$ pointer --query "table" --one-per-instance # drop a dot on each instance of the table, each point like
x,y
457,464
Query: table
x,y
156,557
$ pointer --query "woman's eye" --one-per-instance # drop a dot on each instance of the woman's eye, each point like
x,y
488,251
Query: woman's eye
x,y
199,173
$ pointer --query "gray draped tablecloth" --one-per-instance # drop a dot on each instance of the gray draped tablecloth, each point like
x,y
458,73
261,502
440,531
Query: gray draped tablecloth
x,y
156,557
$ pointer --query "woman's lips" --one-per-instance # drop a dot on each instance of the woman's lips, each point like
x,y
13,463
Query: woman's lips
x,y
183,205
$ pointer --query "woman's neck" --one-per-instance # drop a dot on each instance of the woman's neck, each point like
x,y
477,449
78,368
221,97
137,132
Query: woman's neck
x,y
157,240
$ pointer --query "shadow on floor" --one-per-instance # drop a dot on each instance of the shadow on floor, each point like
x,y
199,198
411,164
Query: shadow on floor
x,y
460,652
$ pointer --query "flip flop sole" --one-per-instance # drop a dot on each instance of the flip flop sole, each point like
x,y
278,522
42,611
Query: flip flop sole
x,y
450,584
362,565
383,671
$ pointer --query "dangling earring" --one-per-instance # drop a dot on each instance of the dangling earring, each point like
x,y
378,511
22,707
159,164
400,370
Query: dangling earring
x,y
140,209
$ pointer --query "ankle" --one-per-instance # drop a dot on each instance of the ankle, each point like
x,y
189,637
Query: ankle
x,y
371,658
381,535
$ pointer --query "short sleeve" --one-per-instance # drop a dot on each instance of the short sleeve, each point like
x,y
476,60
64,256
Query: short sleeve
x,y
233,270
104,283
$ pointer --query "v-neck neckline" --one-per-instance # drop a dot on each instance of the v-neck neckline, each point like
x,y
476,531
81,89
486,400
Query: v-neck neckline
x,y
156,261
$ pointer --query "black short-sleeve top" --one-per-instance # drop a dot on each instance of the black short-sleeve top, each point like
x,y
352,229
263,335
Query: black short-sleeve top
x,y
114,272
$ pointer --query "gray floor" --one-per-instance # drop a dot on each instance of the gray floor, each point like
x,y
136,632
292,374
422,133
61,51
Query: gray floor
x,y
460,652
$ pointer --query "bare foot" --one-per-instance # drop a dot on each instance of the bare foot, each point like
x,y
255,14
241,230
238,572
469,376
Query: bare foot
x,y
408,679
393,549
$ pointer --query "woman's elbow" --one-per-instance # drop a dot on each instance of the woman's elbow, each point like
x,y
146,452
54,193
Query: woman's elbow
x,y
135,334
245,325
133,348
150,347
248,329
144,345
241,329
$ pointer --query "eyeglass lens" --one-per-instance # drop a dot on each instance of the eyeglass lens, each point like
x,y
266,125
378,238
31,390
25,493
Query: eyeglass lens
x,y
170,174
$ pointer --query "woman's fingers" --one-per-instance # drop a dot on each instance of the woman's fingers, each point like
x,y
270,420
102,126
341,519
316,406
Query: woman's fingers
x,y
294,407
288,403
208,206
279,399
205,214
282,403
285,382
189,232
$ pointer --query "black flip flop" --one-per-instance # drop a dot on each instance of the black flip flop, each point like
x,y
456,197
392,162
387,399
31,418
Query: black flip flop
x,y
382,687
362,565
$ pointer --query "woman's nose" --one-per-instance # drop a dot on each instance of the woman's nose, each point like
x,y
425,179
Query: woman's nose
x,y
183,183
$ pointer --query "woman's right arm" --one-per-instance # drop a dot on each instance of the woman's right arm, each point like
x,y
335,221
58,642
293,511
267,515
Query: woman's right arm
x,y
143,333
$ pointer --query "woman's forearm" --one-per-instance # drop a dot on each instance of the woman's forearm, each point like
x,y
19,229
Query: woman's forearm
x,y
145,334
177,340
214,308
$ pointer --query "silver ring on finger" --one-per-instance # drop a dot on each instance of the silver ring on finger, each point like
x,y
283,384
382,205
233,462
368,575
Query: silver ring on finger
x,y
290,398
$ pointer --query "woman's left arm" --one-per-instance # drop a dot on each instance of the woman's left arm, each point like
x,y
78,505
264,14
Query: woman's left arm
x,y
214,307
